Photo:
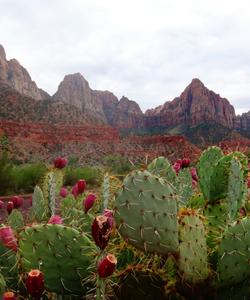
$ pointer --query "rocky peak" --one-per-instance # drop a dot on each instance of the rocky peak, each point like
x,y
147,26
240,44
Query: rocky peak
x,y
130,106
17,77
196,105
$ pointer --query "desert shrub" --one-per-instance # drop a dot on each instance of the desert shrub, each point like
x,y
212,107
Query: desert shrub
x,y
25,177
5,174
73,174
117,164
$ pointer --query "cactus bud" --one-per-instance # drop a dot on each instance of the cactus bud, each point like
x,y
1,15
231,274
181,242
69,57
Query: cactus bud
x,y
9,206
101,231
194,175
17,201
8,238
185,162
55,219
177,167
9,296
60,162
74,191
35,283
81,185
63,192
106,266
88,202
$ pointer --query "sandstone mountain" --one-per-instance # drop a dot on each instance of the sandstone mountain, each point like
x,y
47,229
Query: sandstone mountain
x,y
17,77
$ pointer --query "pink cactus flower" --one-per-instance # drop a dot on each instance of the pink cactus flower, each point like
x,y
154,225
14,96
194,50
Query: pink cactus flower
x,y
81,185
8,238
63,192
88,202
55,219
106,266
60,162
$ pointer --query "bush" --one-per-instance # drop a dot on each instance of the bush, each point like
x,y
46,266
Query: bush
x,y
25,177
87,173
118,164
5,174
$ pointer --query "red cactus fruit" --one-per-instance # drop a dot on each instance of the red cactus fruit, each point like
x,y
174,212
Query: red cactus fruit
x,y
35,284
63,192
9,206
74,191
8,238
110,214
89,202
9,296
177,167
60,162
101,231
106,266
1,204
185,162
81,185
17,201
55,219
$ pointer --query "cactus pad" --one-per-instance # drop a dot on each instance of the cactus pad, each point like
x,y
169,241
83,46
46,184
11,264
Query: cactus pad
x,y
161,167
146,213
61,253
234,253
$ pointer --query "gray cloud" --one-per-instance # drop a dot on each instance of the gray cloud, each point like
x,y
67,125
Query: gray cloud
x,y
147,50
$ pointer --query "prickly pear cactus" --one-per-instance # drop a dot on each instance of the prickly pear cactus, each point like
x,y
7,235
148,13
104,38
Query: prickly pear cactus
x,y
105,190
234,253
63,254
146,213
184,187
49,192
15,220
161,167
39,207
193,248
205,168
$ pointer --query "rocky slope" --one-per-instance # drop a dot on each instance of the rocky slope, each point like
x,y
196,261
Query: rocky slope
x,y
17,77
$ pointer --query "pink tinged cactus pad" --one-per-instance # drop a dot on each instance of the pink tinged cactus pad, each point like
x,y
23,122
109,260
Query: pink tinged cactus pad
x,y
101,231
56,219
89,202
106,266
8,238
35,284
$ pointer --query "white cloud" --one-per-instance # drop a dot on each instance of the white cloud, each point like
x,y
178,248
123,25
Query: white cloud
x,y
147,50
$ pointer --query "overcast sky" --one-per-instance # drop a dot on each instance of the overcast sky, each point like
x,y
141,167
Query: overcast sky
x,y
147,50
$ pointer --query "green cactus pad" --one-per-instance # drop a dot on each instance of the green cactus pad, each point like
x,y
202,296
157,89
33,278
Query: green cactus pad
x,y
146,213
205,168
15,220
61,253
192,261
39,206
184,186
161,167
217,220
234,254
49,193
196,201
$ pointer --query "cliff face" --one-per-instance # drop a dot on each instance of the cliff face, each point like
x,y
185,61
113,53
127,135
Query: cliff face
x,y
17,77
195,105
